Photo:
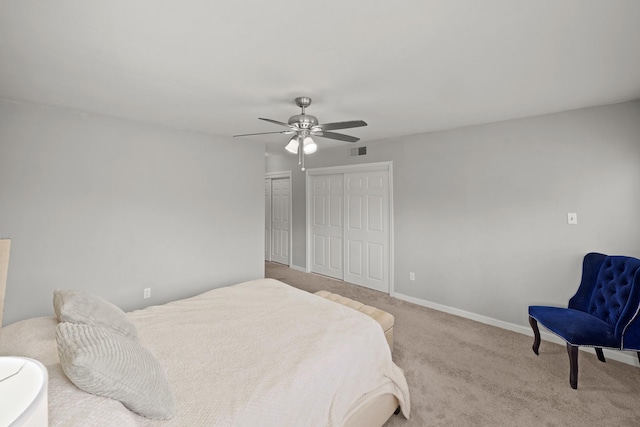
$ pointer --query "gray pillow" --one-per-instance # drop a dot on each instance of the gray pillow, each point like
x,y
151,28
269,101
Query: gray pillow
x,y
105,363
89,309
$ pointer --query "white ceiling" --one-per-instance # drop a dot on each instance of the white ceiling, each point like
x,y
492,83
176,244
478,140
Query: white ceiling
x,y
404,67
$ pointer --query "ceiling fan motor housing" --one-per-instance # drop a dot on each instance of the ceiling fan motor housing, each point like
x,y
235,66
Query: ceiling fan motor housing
x,y
303,121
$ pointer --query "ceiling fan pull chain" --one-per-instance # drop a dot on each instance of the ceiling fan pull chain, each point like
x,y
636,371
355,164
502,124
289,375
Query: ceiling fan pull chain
x,y
300,153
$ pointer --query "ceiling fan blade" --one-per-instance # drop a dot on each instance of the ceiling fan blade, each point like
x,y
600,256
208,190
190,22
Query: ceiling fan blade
x,y
279,123
341,125
338,136
286,132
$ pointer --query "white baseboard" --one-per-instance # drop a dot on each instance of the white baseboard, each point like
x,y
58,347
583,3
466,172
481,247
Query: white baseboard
x,y
628,357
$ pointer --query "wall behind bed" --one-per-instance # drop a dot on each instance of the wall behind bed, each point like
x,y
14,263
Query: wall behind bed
x,y
113,206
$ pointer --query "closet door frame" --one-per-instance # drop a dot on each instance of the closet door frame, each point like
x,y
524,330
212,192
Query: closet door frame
x,y
276,175
364,167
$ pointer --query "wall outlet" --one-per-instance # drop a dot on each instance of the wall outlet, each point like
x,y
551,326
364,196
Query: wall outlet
x,y
572,218
412,276
147,292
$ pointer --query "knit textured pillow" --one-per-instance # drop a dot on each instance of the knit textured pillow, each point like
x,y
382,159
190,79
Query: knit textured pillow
x,y
81,307
105,363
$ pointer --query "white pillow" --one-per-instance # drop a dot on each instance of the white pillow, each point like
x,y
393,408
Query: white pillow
x,y
108,364
82,307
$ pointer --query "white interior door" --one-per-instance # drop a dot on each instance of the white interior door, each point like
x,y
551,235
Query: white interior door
x,y
366,230
280,194
267,219
326,225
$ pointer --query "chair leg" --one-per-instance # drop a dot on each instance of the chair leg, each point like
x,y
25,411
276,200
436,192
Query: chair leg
x,y
536,335
601,354
573,365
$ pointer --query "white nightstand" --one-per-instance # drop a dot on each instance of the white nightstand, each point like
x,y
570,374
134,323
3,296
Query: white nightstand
x,y
23,392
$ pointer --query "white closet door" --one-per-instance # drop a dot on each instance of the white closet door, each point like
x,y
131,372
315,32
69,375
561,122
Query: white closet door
x,y
366,230
326,225
280,193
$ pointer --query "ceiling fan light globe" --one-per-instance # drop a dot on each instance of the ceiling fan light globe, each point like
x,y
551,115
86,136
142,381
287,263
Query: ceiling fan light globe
x,y
309,146
292,146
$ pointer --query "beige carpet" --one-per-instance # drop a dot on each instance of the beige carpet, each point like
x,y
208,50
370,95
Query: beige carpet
x,y
464,373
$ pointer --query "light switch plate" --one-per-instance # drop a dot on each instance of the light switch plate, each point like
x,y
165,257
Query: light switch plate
x,y
572,218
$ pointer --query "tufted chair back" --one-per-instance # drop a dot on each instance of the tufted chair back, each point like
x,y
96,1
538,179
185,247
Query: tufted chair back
x,y
613,295
613,286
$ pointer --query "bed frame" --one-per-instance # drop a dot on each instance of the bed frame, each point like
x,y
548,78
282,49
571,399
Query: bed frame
x,y
373,413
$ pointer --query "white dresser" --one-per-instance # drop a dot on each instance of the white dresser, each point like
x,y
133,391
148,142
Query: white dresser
x,y
23,392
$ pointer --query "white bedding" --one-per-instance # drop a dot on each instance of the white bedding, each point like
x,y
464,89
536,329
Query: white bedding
x,y
260,353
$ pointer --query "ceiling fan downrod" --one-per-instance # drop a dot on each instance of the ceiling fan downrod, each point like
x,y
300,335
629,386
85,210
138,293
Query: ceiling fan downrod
x,y
303,102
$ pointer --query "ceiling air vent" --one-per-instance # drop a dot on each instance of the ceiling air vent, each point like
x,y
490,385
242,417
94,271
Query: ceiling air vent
x,y
358,151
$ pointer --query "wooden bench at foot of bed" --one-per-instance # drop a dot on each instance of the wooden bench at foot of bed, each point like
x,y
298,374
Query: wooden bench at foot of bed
x,y
385,319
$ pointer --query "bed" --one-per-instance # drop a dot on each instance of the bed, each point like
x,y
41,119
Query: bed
x,y
257,353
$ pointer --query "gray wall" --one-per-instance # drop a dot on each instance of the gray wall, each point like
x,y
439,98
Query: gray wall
x,y
481,212
112,206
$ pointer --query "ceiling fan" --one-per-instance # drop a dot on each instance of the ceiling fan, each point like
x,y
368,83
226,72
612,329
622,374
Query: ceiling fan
x,y
304,126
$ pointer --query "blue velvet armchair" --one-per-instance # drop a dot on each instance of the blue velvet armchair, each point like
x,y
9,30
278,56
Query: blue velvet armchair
x,y
602,314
